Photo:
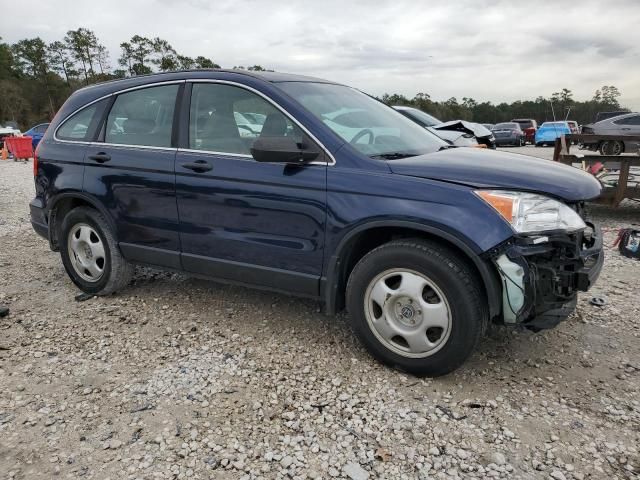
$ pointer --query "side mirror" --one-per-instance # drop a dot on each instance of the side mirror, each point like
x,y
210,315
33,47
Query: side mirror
x,y
283,150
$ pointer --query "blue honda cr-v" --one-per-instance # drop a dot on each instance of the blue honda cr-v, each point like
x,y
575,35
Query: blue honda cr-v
x,y
312,188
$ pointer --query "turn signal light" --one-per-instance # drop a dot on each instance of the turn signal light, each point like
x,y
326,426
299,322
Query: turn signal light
x,y
502,203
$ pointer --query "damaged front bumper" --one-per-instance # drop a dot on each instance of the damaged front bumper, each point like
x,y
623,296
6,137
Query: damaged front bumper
x,y
541,275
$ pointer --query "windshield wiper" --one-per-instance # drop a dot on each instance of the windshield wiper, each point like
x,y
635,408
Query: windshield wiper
x,y
446,147
393,155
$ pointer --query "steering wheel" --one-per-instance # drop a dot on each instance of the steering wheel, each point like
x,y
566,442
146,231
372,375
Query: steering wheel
x,y
362,133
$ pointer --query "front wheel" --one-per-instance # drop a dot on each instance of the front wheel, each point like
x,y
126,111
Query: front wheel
x,y
416,306
90,254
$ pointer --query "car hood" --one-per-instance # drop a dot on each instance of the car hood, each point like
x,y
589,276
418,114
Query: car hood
x,y
464,126
488,169
451,135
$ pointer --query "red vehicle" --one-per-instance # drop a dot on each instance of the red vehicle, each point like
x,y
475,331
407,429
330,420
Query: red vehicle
x,y
529,126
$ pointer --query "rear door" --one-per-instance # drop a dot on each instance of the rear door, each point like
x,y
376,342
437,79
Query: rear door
x,y
250,222
130,171
629,126
61,155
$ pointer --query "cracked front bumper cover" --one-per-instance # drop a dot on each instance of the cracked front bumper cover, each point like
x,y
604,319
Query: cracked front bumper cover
x,y
555,267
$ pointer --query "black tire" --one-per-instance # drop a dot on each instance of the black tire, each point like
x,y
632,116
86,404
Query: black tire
x,y
117,271
456,280
611,148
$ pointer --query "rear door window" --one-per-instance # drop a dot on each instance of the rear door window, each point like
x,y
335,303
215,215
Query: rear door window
x,y
635,120
142,117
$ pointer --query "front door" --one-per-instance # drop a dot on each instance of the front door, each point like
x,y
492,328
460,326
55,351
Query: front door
x,y
131,171
241,220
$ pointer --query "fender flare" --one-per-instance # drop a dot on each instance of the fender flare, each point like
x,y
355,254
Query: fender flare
x,y
90,199
489,278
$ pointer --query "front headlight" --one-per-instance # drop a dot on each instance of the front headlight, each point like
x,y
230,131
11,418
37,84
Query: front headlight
x,y
532,213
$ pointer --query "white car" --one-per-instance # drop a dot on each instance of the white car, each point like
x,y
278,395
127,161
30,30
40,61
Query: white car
x,y
9,132
482,135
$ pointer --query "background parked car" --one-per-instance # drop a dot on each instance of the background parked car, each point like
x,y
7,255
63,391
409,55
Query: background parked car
x,y
509,133
627,124
452,137
573,126
483,135
457,139
7,131
529,127
549,131
36,132
488,126
575,129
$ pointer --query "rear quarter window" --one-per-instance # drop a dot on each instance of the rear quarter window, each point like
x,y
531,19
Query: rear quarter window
x,y
80,125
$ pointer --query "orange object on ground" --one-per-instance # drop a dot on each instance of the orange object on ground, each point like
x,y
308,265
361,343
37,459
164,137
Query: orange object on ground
x,y
5,154
21,147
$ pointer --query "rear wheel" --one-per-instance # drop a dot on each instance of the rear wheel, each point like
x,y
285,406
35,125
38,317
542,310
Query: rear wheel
x,y
416,306
611,148
90,254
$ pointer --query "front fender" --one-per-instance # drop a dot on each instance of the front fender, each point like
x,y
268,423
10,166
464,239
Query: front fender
x,y
330,285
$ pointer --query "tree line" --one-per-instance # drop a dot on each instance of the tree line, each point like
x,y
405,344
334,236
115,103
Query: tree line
x,y
559,106
37,77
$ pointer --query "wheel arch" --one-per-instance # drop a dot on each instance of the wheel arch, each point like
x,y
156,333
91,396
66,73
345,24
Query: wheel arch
x,y
362,239
63,203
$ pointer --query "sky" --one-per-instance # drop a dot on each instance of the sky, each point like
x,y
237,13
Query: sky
x,y
490,50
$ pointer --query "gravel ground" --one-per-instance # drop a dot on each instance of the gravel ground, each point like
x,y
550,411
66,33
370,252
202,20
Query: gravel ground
x,y
181,378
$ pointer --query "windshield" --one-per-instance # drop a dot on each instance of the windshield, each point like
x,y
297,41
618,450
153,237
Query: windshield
x,y
524,123
554,125
368,125
506,126
419,116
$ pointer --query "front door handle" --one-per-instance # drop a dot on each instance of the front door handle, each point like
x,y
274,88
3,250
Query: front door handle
x,y
100,157
198,166
625,129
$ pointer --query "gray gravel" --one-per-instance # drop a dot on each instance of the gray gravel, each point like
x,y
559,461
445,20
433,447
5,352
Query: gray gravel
x,y
181,378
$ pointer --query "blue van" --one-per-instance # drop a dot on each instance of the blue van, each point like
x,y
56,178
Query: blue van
x,y
312,188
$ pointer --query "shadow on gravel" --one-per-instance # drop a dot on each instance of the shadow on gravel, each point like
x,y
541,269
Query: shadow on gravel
x,y
247,311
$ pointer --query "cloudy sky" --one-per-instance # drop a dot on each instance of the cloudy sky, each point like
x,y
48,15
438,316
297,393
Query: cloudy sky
x,y
486,49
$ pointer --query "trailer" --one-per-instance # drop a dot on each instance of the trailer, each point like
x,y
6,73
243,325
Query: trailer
x,y
614,171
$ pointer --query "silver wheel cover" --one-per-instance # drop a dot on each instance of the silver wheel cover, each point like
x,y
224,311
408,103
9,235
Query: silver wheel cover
x,y
408,313
86,252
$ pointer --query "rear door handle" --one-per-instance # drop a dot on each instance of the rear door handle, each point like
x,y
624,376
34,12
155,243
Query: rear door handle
x,y
625,129
198,166
100,157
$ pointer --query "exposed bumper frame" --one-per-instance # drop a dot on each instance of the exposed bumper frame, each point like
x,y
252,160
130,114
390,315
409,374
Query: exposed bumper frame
x,y
551,272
